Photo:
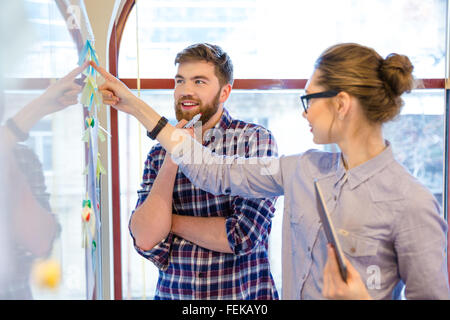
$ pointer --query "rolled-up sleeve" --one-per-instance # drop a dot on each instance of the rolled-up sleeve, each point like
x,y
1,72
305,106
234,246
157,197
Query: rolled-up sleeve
x,y
159,254
250,223
421,247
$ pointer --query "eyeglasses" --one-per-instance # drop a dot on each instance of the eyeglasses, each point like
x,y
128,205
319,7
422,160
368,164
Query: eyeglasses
x,y
307,98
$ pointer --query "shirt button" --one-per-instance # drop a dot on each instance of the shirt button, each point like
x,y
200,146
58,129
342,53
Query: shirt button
x,y
335,198
352,250
309,249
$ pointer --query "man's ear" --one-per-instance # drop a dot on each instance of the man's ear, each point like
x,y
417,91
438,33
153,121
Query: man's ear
x,y
344,101
225,93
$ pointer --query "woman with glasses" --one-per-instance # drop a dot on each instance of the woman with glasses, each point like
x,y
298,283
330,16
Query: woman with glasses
x,y
388,224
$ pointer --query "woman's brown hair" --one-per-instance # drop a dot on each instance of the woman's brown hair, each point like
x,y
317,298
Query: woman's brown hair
x,y
360,71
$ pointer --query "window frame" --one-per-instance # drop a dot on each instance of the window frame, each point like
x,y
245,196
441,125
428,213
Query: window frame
x,y
247,84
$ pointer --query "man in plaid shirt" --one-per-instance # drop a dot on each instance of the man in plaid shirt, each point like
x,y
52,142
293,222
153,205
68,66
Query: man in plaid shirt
x,y
205,246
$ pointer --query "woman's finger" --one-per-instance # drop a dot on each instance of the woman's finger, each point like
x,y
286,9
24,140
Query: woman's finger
x,y
326,280
335,283
72,74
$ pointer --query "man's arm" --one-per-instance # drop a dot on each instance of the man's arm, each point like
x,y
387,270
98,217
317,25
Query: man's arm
x,y
261,179
247,224
151,221
207,232
238,234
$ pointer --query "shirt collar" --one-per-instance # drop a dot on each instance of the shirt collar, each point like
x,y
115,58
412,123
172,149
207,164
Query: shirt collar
x,y
223,124
361,173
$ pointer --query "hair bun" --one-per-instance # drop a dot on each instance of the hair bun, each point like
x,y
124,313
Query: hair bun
x,y
396,71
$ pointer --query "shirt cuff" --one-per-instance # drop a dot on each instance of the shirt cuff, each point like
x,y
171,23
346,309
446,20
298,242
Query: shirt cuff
x,y
182,151
159,254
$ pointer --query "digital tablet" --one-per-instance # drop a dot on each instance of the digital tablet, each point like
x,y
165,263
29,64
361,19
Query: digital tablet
x,y
329,229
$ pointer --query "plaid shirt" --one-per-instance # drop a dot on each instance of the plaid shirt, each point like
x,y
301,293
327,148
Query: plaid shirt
x,y
188,271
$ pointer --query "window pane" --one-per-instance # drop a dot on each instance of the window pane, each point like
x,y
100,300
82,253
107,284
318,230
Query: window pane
x,y
51,160
417,137
282,39
50,51
56,143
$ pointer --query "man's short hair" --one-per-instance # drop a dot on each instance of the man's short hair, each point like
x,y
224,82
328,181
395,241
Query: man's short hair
x,y
209,53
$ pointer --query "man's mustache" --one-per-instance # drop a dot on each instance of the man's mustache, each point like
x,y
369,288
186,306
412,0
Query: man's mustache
x,y
190,98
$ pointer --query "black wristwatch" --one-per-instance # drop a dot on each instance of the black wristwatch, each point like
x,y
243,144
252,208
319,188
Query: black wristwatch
x,y
21,136
159,126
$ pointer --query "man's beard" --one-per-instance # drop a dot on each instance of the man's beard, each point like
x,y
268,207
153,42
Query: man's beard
x,y
207,110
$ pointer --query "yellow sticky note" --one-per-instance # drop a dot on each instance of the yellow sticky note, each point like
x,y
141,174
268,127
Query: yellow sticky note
x,y
47,273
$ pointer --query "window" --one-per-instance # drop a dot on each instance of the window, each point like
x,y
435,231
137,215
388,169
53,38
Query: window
x,y
287,33
279,40
55,140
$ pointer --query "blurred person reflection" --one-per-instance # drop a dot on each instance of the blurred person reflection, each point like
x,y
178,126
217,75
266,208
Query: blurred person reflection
x,y
30,224
27,225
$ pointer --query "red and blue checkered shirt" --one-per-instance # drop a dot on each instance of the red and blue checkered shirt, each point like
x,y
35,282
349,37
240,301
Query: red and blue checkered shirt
x,y
188,271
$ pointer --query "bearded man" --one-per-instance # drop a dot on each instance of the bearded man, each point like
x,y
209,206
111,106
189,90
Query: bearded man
x,y
205,246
